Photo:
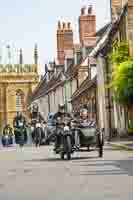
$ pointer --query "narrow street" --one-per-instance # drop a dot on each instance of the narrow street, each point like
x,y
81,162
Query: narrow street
x,y
31,174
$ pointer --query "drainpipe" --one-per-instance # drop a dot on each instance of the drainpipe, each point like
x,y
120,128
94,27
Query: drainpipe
x,y
65,95
96,107
48,103
109,101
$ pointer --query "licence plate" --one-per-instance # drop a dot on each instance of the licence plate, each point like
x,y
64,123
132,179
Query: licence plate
x,y
20,124
32,128
38,125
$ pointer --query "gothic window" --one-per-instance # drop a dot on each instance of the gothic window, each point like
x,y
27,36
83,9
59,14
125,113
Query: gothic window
x,y
19,100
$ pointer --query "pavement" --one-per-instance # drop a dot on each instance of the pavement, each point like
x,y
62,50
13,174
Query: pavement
x,y
37,174
123,145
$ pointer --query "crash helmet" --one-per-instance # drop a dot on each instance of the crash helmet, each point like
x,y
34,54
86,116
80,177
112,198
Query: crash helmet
x,y
61,106
35,107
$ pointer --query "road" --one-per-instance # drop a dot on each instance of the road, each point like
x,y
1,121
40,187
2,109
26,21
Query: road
x,y
37,174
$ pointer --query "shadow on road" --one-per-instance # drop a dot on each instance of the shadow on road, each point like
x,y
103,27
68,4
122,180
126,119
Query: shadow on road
x,y
58,159
103,173
123,167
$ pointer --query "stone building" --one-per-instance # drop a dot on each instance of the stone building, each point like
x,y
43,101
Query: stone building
x,y
73,65
111,115
17,83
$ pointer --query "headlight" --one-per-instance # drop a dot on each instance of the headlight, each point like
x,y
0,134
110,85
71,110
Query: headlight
x,y
32,128
66,128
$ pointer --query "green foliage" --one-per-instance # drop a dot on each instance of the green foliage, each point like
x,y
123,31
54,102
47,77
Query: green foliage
x,y
122,76
120,53
122,82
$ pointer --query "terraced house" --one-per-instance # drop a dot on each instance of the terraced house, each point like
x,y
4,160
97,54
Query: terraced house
x,y
68,80
111,115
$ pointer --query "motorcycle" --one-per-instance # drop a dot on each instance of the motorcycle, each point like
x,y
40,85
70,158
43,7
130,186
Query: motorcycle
x,y
45,134
7,140
66,146
21,134
38,134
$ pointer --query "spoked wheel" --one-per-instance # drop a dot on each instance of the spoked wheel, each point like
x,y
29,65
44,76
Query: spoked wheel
x,y
62,155
37,143
77,140
21,141
101,151
88,148
38,137
69,147
68,156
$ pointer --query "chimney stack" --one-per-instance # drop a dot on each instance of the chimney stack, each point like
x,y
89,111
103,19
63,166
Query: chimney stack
x,y
64,41
116,6
87,27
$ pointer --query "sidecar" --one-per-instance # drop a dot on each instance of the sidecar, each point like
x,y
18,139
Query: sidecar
x,y
90,137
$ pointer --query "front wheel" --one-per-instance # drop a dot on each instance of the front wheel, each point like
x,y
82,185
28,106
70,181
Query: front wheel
x,y
68,156
62,156
69,147
101,151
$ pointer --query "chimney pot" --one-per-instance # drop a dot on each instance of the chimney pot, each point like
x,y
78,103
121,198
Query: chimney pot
x,y
69,25
90,10
83,11
59,25
64,25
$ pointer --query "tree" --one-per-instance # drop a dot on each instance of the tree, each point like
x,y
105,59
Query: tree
x,y
120,53
122,76
122,82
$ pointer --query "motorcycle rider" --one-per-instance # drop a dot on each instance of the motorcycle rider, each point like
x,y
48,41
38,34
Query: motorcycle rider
x,y
59,118
35,116
16,122
7,131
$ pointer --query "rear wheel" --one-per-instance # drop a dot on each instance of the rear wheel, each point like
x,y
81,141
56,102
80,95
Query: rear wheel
x,y
37,137
101,151
88,148
77,140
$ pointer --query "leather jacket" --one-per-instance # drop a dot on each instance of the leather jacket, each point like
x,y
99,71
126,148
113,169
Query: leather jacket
x,y
8,131
19,121
59,118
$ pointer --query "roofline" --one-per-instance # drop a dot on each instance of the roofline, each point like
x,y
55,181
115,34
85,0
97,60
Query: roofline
x,y
91,82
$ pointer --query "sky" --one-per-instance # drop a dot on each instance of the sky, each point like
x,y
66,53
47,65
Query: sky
x,y
26,22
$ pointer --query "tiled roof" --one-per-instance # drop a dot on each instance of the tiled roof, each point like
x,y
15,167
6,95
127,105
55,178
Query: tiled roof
x,y
106,38
45,86
84,86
